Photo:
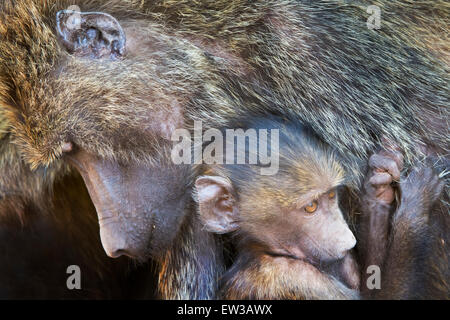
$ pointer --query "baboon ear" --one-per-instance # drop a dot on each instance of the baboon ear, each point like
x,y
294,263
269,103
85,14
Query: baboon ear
x,y
90,34
217,205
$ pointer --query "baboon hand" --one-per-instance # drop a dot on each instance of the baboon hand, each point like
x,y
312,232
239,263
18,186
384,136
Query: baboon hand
x,y
420,190
385,167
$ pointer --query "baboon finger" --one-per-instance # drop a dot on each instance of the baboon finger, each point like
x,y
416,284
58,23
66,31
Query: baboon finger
x,y
424,177
395,155
382,178
382,163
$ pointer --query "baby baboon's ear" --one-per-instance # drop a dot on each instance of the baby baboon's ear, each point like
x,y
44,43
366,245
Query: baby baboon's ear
x,y
217,205
90,34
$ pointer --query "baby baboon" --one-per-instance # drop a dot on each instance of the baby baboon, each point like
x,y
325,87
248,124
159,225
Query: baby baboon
x,y
292,239
104,93
289,226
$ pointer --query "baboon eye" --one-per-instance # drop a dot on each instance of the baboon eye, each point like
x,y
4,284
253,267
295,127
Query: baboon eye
x,y
332,194
312,207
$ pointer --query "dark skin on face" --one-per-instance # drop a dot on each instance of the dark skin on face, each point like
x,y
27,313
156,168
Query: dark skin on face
x,y
105,97
122,91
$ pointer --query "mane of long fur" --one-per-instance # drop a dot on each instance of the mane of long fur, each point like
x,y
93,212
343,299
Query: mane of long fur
x,y
315,61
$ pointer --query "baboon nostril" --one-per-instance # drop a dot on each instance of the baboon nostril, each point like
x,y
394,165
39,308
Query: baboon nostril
x,y
117,253
123,252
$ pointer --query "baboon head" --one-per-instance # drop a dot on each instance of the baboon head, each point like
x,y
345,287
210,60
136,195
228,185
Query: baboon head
x,y
103,97
293,213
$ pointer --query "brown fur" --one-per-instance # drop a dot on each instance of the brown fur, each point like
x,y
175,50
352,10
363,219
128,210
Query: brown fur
x,y
282,253
274,40
315,61
269,278
262,55
49,97
406,238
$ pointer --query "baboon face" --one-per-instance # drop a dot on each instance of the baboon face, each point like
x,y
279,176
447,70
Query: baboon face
x,y
111,98
314,229
139,206
125,116
294,213
300,218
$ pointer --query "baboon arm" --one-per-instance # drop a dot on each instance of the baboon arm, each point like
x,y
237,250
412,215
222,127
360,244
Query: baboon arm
x,y
375,238
414,245
404,257
395,274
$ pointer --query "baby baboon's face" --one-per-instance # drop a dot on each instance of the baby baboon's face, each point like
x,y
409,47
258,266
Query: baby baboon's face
x,y
314,229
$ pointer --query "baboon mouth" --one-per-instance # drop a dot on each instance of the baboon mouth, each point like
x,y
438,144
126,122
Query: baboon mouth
x,y
285,254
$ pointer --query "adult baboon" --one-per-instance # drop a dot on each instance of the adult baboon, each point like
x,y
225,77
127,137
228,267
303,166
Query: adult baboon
x,y
103,90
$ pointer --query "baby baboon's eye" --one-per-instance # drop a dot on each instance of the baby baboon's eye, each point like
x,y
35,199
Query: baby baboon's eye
x,y
312,207
332,194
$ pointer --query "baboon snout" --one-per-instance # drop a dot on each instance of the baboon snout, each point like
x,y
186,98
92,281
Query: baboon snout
x,y
346,242
139,207
117,242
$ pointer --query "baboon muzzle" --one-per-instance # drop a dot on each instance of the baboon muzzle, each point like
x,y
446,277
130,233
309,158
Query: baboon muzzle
x,y
132,204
